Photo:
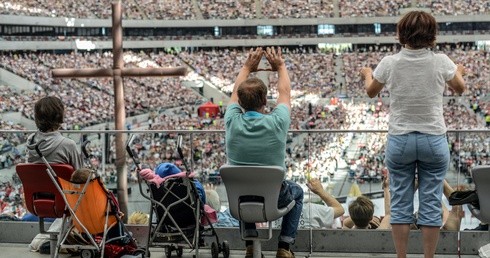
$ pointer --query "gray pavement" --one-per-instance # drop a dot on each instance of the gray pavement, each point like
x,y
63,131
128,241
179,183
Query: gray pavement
x,y
21,250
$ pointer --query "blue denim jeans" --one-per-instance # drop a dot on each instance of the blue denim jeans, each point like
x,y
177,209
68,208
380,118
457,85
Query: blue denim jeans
x,y
289,191
427,156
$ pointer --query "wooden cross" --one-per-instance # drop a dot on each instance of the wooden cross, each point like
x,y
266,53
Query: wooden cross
x,y
117,73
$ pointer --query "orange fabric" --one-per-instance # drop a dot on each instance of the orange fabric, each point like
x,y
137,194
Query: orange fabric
x,y
93,206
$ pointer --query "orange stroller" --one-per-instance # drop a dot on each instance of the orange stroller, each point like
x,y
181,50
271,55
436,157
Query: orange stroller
x,y
89,209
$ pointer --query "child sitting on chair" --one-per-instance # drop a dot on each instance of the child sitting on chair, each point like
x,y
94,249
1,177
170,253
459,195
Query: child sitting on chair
x,y
81,175
166,169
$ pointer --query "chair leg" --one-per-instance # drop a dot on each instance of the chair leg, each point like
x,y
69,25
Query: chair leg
x,y
53,243
257,249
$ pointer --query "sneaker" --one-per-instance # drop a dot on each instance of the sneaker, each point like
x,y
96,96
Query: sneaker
x,y
250,252
283,253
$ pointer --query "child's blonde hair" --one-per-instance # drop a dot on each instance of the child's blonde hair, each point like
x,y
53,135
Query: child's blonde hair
x,y
138,218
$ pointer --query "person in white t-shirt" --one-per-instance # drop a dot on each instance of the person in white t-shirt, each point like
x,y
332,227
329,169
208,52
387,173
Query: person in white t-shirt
x,y
315,215
416,78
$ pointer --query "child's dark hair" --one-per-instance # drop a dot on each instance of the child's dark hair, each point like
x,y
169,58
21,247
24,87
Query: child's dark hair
x,y
417,29
361,211
49,113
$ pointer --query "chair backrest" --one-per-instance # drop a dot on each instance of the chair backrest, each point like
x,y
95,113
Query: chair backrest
x,y
90,207
253,192
481,178
41,195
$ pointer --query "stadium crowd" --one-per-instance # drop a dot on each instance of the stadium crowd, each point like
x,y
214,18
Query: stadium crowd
x,y
246,9
312,73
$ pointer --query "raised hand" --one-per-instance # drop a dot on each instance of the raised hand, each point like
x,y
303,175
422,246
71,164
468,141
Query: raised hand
x,y
461,69
274,57
315,185
366,72
253,59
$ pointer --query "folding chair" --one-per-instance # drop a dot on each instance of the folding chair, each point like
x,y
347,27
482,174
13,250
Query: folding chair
x,y
253,193
42,197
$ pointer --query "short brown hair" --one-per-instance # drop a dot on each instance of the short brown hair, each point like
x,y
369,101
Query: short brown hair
x,y
417,29
252,94
81,175
49,113
361,211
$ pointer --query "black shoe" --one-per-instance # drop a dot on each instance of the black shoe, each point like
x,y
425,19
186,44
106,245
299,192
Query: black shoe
x,y
480,227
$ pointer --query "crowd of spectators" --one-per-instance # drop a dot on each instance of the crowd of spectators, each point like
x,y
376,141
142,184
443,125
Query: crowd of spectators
x,y
11,204
243,9
312,72
274,9
90,101
361,8
455,7
226,9
10,101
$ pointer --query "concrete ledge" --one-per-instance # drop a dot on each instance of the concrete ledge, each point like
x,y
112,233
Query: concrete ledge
x,y
314,240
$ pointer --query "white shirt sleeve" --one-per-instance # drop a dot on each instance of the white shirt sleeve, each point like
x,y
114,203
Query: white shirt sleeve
x,y
448,68
382,73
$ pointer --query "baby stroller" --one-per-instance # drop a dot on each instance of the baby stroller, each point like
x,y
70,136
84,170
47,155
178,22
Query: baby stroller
x,y
180,219
91,214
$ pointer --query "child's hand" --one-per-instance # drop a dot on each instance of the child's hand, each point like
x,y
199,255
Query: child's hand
x,y
366,72
460,69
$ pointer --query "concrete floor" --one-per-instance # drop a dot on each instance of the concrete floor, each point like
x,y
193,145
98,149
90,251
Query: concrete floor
x,y
22,250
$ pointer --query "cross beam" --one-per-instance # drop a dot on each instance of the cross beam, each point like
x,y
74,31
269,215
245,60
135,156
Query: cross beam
x,y
117,73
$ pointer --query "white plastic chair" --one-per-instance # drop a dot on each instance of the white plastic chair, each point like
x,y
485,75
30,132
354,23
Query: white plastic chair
x,y
481,178
253,193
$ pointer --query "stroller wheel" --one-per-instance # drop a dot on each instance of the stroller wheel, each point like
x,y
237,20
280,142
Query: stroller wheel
x,y
226,249
214,250
86,253
168,251
142,252
180,251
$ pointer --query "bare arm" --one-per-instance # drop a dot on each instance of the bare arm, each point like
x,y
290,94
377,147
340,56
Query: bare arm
x,y
457,82
250,66
454,216
284,83
348,223
373,87
316,187
385,223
